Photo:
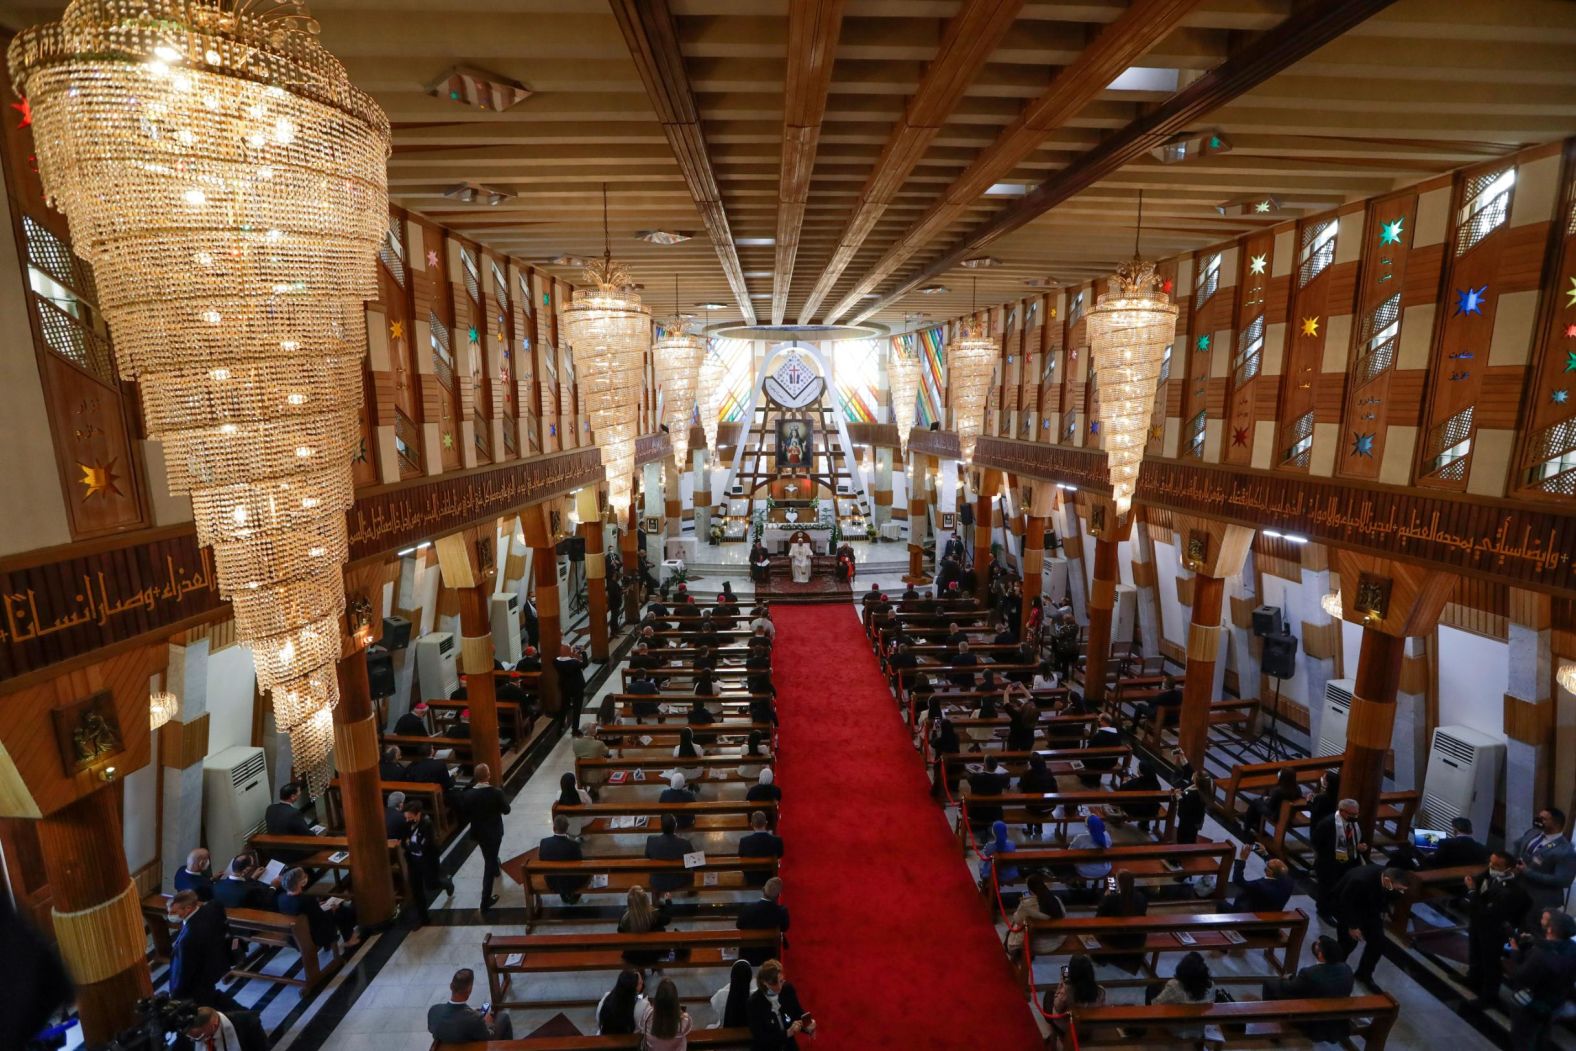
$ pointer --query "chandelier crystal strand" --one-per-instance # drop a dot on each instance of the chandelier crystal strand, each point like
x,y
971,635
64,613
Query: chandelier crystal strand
x,y
228,186
609,331
971,363
710,397
678,355
904,377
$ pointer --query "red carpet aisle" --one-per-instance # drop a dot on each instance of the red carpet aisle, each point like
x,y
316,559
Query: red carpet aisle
x,y
891,946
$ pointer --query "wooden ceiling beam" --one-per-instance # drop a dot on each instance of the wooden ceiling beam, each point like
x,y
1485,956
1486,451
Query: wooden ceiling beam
x,y
970,39
1119,45
813,29
652,36
1305,31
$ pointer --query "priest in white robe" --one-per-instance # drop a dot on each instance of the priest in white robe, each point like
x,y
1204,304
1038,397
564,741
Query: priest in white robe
x,y
799,555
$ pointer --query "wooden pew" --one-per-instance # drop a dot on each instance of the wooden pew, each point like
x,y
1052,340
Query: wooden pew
x,y
1014,807
686,671
1245,1023
732,706
699,1039
653,765
668,736
1278,935
1059,761
460,746
1252,779
1426,885
513,723
444,825
323,849
537,954
258,927
1146,861
1229,712
712,815
624,871
1392,825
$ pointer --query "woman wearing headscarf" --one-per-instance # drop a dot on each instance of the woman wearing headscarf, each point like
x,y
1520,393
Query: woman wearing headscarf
x,y
943,742
676,792
570,794
755,748
1037,778
999,844
1095,837
688,749
765,790
731,1003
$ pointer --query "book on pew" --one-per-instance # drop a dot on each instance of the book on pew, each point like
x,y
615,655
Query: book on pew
x,y
695,859
1233,937
708,879
1089,941
975,768
728,952
618,777
640,775
514,959
444,754
645,739
599,881
338,857
1075,764
318,830
1185,938
333,903
273,870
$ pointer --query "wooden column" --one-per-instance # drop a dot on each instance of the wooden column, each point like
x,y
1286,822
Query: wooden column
x,y
1392,600
467,561
1037,519
596,571
629,551
361,789
544,571
1214,551
984,511
1108,532
918,520
97,915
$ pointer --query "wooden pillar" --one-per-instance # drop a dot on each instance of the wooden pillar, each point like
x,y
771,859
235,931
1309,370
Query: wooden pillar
x,y
984,512
1037,519
1214,551
97,915
1108,532
467,561
1392,600
629,551
361,791
596,571
544,571
918,520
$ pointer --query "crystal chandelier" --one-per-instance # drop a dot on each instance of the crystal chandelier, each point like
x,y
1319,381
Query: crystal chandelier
x,y
609,331
971,363
1331,604
228,186
1566,677
709,396
678,355
1129,331
903,371
162,706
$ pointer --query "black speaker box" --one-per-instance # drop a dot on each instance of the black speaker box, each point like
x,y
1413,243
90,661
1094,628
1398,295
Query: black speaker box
x,y
396,633
380,671
574,547
1279,659
1267,621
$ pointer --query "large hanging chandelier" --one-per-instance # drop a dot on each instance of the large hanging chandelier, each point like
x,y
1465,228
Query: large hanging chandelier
x,y
971,363
228,186
1129,331
609,331
678,355
708,398
903,372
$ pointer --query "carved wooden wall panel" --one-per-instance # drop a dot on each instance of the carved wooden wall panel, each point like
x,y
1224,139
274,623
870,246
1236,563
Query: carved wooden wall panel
x,y
432,305
1544,465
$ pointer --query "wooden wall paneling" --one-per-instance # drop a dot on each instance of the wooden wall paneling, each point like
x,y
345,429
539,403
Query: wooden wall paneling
x,y
546,351
472,381
1308,323
1549,406
1169,392
432,303
1033,366
1249,344
523,357
1074,367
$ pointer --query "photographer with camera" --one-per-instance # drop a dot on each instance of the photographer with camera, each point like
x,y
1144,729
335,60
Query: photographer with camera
x,y
571,667
214,1031
1544,977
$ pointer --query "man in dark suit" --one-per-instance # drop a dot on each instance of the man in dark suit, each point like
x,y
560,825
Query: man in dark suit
x,y
426,767
197,875
764,915
963,658
413,723
282,818
990,779
1360,900
561,846
1329,979
394,815
422,858
238,890
529,660
1497,902
200,952
760,842
484,806
669,846
902,664
1270,893
571,667
389,767
1105,735
230,1030
328,925
457,1022
1544,971
1337,850
1547,860
1459,848
775,1026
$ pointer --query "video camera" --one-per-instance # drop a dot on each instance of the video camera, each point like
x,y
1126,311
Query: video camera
x,y
161,1016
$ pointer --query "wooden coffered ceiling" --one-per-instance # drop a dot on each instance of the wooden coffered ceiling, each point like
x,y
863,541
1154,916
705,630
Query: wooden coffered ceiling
x,y
825,159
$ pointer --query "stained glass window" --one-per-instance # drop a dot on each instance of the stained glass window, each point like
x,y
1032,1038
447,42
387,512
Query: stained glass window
x,y
1555,452
1318,250
1250,352
1301,435
1485,207
738,376
1208,281
392,253
1449,445
857,366
472,277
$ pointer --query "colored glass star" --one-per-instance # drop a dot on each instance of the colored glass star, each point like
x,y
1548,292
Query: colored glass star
x,y
26,109
1570,294
98,479
1262,207
432,258
396,330
1570,331
1469,300
1310,326
1363,445
552,430
1239,436
1258,263
1094,426
1203,342
1167,285
472,335
1214,142
1570,361
448,439
1390,233
1560,397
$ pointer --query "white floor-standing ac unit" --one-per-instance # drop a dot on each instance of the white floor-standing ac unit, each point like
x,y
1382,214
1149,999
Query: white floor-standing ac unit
x,y
1463,769
506,628
1124,618
1337,710
437,666
1053,578
235,796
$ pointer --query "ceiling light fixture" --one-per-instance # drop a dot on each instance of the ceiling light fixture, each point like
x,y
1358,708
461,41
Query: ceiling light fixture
x,y
678,356
933,290
1128,332
708,307
980,262
568,260
664,237
971,361
904,376
469,192
709,389
470,86
156,163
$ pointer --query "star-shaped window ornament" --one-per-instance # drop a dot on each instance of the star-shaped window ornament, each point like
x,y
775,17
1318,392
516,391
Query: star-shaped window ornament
x,y
396,330
1570,330
472,335
552,430
1094,426
1560,397
1570,294
448,439
1203,342
432,258
99,478
1363,445
1259,263
26,109
1390,233
1469,301
1262,207
1310,326
1239,436
1167,285
1570,361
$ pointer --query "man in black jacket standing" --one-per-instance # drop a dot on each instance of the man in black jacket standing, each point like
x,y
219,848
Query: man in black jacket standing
x,y
1497,900
1337,850
776,1016
484,806
1329,979
422,859
571,667
200,952
1545,971
1359,903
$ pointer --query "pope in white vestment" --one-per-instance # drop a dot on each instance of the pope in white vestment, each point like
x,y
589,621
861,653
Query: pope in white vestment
x,y
799,553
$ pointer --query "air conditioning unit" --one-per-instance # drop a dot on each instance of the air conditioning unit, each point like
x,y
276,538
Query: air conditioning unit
x,y
506,628
1463,769
1053,578
1124,617
437,666
1337,710
235,796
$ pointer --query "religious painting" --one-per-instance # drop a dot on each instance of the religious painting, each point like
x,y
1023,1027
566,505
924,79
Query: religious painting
x,y
650,524
1197,549
1096,519
1372,599
949,520
795,445
88,732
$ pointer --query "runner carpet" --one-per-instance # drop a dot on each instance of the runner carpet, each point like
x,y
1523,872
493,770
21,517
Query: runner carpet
x,y
891,945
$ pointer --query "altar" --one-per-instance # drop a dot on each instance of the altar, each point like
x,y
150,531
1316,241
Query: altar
x,y
776,538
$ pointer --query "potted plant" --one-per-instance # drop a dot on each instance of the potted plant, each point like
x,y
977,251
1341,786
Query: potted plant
x,y
714,534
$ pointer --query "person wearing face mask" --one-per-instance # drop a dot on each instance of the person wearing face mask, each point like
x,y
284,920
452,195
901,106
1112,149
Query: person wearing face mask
x,y
1337,850
1544,976
1359,902
1496,902
1547,861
